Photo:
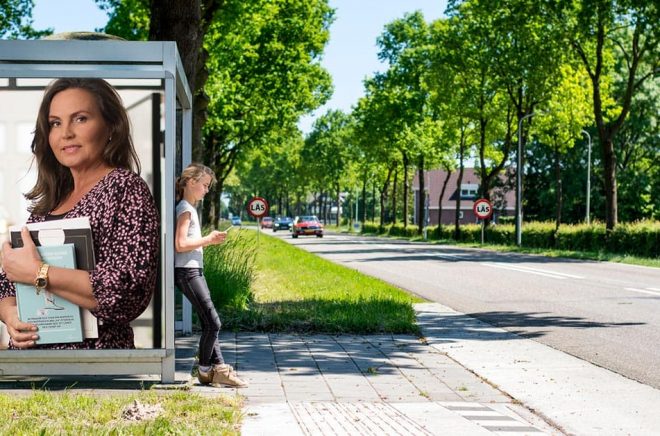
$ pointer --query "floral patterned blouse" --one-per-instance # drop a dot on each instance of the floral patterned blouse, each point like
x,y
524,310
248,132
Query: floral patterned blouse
x,y
125,227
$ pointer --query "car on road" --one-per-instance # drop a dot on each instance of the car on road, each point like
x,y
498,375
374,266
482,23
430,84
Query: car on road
x,y
267,222
307,225
282,223
236,220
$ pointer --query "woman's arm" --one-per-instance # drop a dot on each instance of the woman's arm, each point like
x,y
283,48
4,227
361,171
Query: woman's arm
x,y
21,265
124,278
182,243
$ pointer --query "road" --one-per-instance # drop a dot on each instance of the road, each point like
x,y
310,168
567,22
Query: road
x,y
605,313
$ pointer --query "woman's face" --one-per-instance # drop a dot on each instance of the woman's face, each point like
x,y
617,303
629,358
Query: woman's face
x,y
78,132
199,188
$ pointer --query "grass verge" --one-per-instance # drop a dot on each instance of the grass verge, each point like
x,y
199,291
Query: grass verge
x,y
49,413
296,291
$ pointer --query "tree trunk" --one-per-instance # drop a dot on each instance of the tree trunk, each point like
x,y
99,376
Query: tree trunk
x,y
442,195
338,205
186,22
406,187
373,202
421,204
459,180
363,209
383,198
394,183
559,188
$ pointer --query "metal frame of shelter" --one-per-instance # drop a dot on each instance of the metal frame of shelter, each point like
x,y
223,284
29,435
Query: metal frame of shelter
x,y
114,60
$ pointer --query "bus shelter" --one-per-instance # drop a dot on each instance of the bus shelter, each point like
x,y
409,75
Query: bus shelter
x,y
149,77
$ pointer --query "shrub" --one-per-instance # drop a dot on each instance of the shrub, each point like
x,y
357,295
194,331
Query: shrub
x,y
641,239
581,237
399,230
538,234
229,269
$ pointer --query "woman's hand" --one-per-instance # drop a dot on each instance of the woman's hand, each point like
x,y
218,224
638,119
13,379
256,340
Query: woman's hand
x,y
21,333
21,264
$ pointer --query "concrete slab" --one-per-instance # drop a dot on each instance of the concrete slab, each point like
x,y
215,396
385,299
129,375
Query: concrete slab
x,y
576,396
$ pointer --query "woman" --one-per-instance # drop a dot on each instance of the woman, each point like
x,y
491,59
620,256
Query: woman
x,y
87,166
191,188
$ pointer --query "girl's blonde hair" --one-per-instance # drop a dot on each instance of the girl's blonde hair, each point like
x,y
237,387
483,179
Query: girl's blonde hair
x,y
194,171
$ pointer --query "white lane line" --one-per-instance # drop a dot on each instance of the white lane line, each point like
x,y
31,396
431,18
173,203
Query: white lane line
x,y
644,291
448,256
541,272
654,289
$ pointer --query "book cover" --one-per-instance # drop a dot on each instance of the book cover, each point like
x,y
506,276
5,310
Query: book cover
x,y
59,320
76,231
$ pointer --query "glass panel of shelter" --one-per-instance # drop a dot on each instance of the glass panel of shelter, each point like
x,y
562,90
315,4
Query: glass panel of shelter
x,y
20,99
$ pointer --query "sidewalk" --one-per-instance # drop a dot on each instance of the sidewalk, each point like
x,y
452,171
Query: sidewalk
x,y
365,385
466,378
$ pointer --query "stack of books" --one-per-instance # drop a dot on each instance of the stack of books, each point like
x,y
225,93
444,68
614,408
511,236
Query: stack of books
x,y
66,243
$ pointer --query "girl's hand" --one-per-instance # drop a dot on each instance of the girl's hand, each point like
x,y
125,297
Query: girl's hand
x,y
216,237
21,264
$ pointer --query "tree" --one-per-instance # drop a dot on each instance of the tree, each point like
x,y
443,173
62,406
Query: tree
x,y
16,20
253,67
184,21
127,18
596,29
265,72
565,115
637,147
405,45
327,151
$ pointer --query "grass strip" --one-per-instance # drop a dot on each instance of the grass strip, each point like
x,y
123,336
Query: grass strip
x,y
55,413
296,291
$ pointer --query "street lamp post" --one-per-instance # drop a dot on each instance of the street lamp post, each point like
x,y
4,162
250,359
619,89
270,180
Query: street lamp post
x,y
588,218
519,170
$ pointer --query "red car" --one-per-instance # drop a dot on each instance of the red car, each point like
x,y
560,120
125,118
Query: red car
x,y
307,225
266,222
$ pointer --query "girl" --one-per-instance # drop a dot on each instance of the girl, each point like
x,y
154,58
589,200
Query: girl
x,y
191,187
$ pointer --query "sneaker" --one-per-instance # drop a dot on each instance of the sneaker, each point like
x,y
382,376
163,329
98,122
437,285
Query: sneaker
x,y
205,377
226,376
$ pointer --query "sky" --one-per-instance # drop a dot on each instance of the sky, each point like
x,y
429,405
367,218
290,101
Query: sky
x,y
350,56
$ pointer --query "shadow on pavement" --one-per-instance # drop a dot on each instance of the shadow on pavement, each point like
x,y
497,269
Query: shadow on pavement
x,y
448,328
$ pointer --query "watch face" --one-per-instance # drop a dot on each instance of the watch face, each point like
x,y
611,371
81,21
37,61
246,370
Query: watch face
x,y
40,282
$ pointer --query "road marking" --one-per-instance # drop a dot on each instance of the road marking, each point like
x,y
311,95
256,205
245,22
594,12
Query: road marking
x,y
538,271
447,256
652,291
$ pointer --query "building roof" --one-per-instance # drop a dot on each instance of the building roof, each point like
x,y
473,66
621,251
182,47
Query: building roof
x,y
436,178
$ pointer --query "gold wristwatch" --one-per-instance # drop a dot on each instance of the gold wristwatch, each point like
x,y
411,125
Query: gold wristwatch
x,y
41,281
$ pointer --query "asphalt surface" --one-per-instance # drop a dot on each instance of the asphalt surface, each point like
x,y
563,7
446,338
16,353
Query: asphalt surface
x,y
605,313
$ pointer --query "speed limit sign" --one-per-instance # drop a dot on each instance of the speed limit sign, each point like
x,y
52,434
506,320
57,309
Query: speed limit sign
x,y
483,209
257,207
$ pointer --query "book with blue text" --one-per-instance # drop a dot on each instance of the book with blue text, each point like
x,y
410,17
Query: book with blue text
x,y
58,320
76,231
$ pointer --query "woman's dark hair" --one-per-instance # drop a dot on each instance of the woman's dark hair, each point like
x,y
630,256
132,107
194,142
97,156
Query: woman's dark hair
x,y
54,180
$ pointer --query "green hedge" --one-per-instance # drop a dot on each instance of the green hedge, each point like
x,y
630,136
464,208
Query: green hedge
x,y
636,239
